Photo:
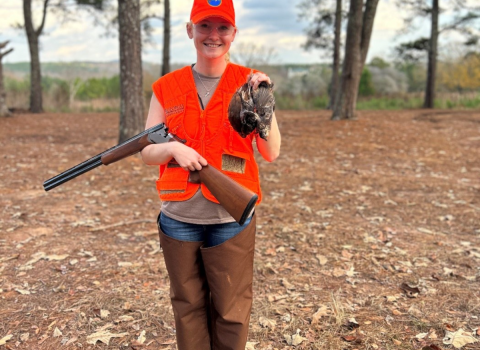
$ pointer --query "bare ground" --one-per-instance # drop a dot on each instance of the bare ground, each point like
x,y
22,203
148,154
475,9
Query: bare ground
x,y
368,236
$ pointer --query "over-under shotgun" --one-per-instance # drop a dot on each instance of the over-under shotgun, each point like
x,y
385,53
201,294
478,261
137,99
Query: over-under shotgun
x,y
236,199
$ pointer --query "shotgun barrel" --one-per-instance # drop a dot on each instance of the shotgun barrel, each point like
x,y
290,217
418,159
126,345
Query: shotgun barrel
x,y
127,148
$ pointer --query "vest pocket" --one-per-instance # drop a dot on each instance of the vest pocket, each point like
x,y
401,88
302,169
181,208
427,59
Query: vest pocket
x,y
173,180
234,161
174,112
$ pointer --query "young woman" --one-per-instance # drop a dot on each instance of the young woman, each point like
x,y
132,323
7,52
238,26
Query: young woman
x,y
209,257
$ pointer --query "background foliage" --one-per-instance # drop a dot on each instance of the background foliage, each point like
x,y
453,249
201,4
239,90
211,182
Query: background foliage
x,y
399,84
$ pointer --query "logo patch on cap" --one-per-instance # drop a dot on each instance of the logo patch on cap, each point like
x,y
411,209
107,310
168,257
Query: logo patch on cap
x,y
214,3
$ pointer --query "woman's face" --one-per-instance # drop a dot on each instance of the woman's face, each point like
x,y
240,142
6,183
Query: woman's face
x,y
212,36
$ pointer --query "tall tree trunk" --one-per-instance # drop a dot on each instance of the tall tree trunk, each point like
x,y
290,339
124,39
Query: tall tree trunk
x,y
432,59
367,28
336,55
36,104
166,39
131,78
4,112
359,32
346,98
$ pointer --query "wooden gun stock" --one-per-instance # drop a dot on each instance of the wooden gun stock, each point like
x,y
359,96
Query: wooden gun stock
x,y
237,200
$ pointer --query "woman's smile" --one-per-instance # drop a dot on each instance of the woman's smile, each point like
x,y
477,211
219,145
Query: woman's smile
x,y
212,45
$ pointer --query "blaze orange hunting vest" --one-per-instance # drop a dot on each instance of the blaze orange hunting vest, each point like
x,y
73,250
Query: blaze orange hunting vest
x,y
207,131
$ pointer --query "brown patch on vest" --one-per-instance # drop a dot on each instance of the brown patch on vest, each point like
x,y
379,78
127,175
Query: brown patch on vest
x,y
233,164
171,191
174,110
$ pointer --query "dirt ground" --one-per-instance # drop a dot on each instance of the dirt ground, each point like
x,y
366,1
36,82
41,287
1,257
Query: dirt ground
x,y
368,237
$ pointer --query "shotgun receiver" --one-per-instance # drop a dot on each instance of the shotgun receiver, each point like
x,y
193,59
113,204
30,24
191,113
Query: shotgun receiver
x,y
237,200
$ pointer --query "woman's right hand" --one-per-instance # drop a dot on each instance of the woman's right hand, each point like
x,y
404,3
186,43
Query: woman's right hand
x,y
186,157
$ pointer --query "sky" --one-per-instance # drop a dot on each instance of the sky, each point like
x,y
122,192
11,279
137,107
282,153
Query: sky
x,y
268,23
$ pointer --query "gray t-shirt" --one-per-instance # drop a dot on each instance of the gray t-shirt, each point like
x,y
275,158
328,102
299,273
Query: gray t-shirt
x,y
198,209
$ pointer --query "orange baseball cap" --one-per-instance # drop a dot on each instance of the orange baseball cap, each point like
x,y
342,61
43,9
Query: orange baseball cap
x,y
209,8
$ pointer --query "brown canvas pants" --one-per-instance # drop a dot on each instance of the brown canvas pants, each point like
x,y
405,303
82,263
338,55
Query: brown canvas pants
x,y
211,290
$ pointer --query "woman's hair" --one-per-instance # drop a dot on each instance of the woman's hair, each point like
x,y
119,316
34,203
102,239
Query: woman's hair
x,y
227,55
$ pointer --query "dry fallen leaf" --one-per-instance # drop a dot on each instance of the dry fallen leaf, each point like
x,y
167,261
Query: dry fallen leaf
x,y
287,284
411,292
104,314
294,339
337,272
56,257
421,335
322,260
352,324
104,337
6,338
250,345
22,291
322,311
124,318
391,298
432,334
351,272
141,338
414,311
267,323
57,332
354,338
459,338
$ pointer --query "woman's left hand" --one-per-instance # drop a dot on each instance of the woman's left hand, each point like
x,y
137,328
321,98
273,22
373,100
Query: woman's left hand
x,y
257,78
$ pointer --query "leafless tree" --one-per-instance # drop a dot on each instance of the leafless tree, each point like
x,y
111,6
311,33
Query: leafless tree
x,y
4,112
359,31
464,20
33,35
166,38
131,75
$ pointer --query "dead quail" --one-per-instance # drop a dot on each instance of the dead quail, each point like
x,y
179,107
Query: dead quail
x,y
252,110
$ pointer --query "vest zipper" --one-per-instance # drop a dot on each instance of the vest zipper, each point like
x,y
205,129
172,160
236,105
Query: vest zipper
x,y
202,135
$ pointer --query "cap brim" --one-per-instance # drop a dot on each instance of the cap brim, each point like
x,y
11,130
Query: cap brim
x,y
206,14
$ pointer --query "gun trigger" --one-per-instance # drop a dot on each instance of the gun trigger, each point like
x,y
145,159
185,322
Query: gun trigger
x,y
176,138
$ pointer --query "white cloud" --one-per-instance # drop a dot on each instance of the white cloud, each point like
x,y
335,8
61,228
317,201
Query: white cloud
x,y
387,17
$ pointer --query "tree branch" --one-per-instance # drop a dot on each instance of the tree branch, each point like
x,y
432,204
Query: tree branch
x,y
39,31
5,53
5,43
146,18
470,16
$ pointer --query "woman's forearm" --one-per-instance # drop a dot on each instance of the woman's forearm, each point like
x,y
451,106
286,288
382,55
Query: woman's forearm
x,y
157,154
270,149
162,153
